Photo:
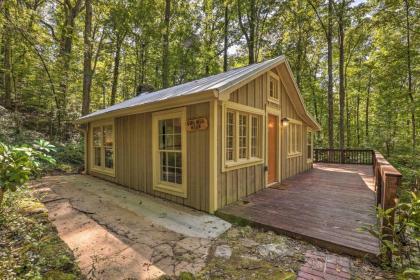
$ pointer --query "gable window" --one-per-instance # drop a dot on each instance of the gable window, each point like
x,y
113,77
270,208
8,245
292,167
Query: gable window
x,y
169,151
103,148
273,87
294,138
309,146
242,141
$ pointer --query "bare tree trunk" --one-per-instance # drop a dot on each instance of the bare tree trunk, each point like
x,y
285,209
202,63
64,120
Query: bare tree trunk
x,y
342,92
165,51
410,79
330,78
87,61
7,68
250,33
225,36
116,72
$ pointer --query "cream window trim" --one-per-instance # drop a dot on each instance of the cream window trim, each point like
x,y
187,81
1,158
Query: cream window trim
x,y
249,112
310,133
294,138
101,168
158,184
276,80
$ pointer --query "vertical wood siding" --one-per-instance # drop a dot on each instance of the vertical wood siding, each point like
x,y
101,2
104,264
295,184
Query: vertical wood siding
x,y
133,160
236,184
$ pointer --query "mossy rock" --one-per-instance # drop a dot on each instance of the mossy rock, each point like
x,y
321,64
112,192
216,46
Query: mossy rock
x,y
186,276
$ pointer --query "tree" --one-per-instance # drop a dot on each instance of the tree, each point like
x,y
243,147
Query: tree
x,y
165,45
87,54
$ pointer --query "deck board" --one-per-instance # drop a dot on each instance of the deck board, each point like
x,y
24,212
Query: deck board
x,y
326,206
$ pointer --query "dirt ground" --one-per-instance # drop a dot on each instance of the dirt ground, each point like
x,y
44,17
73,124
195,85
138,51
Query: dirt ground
x,y
118,234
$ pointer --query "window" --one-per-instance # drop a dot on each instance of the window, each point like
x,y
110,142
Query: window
x,y
242,135
273,87
103,147
230,128
294,147
243,132
309,144
255,127
169,144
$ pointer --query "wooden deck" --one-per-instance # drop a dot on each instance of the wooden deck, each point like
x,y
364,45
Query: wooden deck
x,y
325,206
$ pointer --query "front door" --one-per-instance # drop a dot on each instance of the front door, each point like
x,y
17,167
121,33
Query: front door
x,y
272,148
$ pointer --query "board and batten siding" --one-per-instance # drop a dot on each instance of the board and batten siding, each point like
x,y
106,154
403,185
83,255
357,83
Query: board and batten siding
x,y
133,157
238,183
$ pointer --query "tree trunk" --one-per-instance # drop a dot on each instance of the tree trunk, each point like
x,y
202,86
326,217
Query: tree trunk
x,y
66,44
367,109
358,119
410,79
165,51
87,58
342,92
7,65
225,36
116,72
330,78
251,43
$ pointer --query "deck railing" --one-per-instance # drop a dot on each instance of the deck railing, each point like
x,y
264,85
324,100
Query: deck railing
x,y
387,177
345,156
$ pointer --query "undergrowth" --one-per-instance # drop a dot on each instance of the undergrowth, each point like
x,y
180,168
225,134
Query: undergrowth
x,y
30,245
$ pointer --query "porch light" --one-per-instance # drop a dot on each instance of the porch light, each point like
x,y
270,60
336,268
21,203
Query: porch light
x,y
284,122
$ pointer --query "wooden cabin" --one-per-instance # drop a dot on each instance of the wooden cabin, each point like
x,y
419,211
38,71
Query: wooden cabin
x,y
205,143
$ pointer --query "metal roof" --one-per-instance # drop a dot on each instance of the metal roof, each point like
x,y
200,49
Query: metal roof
x,y
217,82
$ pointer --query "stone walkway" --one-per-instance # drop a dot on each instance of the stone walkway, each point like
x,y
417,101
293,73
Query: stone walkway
x,y
321,266
114,233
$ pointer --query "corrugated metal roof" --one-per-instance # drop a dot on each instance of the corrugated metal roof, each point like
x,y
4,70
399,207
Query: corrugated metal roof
x,y
217,82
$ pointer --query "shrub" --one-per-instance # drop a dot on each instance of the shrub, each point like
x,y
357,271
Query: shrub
x,y
18,164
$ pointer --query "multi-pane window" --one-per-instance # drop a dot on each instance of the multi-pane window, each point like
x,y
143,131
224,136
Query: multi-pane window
x,y
273,89
170,150
294,138
230,128
254,136
103,147
243,136
309,145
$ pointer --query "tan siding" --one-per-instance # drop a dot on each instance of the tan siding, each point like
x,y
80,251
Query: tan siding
x,y
235,184
133,149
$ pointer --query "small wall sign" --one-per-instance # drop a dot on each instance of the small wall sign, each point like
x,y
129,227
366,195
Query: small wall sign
x,y
197,124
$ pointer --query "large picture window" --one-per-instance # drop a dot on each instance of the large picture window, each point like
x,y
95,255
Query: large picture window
x,y
294,138
169,151
103,147
242,142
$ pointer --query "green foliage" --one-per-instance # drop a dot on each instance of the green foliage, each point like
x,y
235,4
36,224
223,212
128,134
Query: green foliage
x,y
402,238
18,164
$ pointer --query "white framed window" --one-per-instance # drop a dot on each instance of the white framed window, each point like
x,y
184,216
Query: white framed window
x,y
273,88
103,147
242,135
309,146
294,138
169,151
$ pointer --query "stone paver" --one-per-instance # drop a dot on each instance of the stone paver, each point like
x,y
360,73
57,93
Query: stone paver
x,y
321,266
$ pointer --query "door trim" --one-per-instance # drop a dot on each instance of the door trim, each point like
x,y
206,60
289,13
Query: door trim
x,y
276,112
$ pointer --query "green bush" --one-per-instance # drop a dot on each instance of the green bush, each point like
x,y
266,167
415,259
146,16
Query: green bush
x,y
70,153
18,164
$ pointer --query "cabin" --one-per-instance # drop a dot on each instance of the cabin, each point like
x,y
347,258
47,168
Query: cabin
x,y
205,143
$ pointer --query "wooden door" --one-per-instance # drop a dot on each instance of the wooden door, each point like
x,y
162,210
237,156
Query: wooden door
x,y
272,148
